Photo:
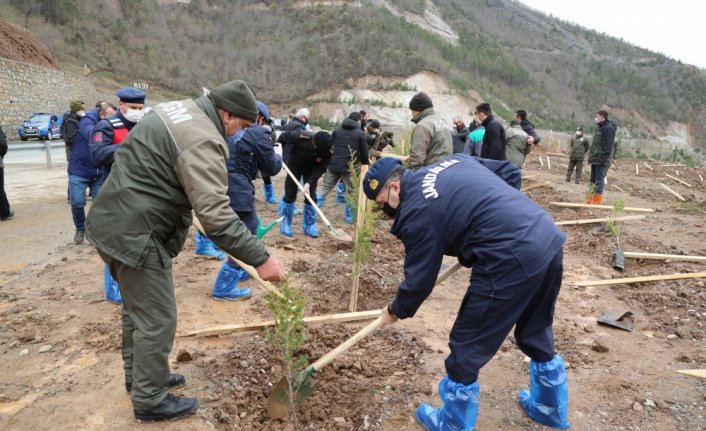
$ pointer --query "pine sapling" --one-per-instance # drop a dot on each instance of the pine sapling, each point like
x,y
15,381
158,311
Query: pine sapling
x,y
287,337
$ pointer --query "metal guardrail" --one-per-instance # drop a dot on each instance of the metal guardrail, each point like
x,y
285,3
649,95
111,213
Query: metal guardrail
x,y
47,146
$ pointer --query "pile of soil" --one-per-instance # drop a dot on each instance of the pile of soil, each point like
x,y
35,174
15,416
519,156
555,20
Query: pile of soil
x,y
20,44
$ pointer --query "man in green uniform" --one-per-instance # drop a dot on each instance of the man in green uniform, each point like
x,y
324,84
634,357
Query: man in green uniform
x,y
172,162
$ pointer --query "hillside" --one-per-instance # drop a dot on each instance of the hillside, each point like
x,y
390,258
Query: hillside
x,y
495,50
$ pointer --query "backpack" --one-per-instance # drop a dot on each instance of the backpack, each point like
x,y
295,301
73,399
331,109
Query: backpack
x,y
62,128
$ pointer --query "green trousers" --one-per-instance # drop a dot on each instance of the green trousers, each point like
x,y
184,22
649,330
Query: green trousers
x,y
149,324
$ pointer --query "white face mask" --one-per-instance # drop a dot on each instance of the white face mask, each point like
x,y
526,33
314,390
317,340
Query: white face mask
x,y
134,115
81,113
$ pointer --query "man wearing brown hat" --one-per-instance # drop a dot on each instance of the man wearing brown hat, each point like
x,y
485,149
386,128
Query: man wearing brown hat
x,y
172,162
431,138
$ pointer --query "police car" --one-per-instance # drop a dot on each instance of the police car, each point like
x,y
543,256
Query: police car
x,y
41,125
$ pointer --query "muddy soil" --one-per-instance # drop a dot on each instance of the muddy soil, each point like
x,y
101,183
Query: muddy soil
x,y
60,341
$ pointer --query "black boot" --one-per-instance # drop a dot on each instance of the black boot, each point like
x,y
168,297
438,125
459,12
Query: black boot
x,y
171,407
175,380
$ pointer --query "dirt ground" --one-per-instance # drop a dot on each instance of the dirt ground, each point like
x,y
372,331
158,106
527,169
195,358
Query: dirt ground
x,y
60,340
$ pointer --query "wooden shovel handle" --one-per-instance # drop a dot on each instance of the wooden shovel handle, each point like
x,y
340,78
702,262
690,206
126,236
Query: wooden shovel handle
x,y
333,354
301,188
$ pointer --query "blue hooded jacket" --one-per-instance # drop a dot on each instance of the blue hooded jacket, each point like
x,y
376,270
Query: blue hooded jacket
x,y
249,152
470,208
80,163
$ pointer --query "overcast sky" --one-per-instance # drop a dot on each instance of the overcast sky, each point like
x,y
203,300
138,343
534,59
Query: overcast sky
x,y
675,28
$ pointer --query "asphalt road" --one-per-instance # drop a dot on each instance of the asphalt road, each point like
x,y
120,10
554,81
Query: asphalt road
x,y
34,152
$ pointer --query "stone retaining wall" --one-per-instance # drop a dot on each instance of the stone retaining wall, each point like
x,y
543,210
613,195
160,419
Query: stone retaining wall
x,y
27,88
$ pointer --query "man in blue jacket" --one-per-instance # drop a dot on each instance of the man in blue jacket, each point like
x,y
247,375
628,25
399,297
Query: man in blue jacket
x,y
83,173
516,277
248,152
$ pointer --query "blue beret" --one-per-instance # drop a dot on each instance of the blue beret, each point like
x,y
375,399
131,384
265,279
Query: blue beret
x,y
131,95
262,108
378,174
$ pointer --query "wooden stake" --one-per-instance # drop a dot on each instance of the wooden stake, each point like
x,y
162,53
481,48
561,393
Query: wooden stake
x,y
617,188
549,164
598,220
677,172
636,255
637,169
695,373
249,269
250,327
673,192
678,180
599,207
534,186
701,178
540,161
648,166
362,200
634,280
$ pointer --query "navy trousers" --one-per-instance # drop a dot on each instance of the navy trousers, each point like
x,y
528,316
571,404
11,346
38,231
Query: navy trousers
x,y
488,313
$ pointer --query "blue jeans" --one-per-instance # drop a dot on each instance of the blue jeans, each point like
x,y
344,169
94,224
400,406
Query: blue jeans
x,y
598,173
77,195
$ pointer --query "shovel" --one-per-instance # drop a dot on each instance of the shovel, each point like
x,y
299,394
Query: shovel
x,y
279,402
336,233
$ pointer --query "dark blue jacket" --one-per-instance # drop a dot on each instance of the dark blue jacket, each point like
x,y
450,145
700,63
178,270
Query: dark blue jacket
x,y
494,140
81,164
470,208
252,152
105,138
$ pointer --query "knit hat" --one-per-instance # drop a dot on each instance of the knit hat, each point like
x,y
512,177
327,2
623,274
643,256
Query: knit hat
x,y
236,98
75,106
378,174
420,102
375,124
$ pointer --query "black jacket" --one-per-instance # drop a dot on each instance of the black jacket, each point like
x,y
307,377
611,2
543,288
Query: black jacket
x,y
529,129
493,140
290,136
348,141
459,139
310,159
69,128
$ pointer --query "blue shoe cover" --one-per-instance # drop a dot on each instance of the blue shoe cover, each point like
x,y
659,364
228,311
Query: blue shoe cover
x,y
285,227
349,215
270,194
280,207
225,287
309,223
320,201
112,289
459,411
547,400
243,274
205,247
341,195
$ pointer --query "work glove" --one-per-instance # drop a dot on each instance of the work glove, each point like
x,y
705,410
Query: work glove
x,y
262,230
306,189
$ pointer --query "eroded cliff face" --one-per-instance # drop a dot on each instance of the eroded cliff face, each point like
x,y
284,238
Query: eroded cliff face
x,y
19,44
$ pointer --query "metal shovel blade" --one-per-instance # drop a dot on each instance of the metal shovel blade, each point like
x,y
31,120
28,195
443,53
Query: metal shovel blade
x,y
279,403
339,234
